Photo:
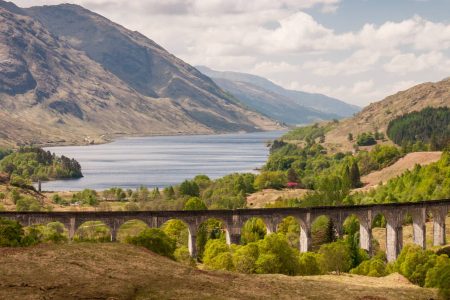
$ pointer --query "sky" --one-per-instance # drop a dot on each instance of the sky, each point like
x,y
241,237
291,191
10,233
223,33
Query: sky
x,y
359,51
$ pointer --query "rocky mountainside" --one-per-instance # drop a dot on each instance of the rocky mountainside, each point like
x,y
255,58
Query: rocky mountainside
x,y
292,107
94,79
377,115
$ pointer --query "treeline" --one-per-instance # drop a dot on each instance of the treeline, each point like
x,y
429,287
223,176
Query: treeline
x,y
428,127
31,163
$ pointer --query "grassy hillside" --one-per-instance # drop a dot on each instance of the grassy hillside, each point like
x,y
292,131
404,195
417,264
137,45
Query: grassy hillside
x,y
120,271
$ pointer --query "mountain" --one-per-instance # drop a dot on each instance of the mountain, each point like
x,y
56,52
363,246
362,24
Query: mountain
x,y
292,107
68,74
377,116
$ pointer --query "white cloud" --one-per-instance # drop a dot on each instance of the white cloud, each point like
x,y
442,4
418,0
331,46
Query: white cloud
x,y
279,40
410,62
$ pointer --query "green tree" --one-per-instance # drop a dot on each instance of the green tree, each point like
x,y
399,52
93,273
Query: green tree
x,y
195,203
253,230
292,176
245,257
275,246
11,233
155,240
310,263
213,249
355,176
189,188
336,257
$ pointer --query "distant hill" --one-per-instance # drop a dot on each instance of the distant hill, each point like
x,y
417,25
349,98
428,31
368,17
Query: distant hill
x,y
377,115
292,107
69,75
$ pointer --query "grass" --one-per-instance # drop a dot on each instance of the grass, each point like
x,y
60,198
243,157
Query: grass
x,y
121,271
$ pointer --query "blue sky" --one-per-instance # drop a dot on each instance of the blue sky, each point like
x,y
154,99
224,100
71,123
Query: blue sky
x,y
359,51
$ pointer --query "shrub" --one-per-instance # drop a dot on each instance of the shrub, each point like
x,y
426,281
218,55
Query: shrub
x,y
414,262
28,203
336,257
189,188
212,249
285,258
310,263
270,180
93,231
11,233
374,267
365,139
253,231
223,261
183,256
155,240
195,203
2,196
245,257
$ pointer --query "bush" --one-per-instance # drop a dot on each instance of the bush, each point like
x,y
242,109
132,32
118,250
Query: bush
x,y
285,261
183,256
414,262
374,267
93,231
223,261
155,240
212,249
11,233
189,188
244,258
253,230
271,180
365,139
2,196
310,263
86,196
28,203
336,257
195,203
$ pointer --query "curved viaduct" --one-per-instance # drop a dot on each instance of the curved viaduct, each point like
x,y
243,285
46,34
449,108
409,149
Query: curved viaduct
x,y
233,221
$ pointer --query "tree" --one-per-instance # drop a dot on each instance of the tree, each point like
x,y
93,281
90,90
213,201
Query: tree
x,y
11,233
276,256
310,263
189,188
253,231
169,192
336,257
195,203
292,176
350,137
212,249
355,177
155,240
270,180
244,258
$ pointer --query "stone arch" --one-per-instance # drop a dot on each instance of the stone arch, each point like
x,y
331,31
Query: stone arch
x,y
291,227
130,227
253,229
93,230
322,230
206,228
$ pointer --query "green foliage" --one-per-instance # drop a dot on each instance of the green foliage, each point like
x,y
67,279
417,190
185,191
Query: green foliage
x,y
308,133
178,231
270,180
195,203
253,230
155,240
35,163
183,256
169,193
422,183
310,263
2,196
28,203
439,276
189,188
290,228
11,233
211,229
374,267
244,258
430,125
19,181
366,139
331,190
114,194
213,256
87,196
57,199
93,231
336,257
276,256
414,263
4,152
229,192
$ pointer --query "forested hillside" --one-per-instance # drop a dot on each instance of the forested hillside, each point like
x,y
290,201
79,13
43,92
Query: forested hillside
x,y
428,127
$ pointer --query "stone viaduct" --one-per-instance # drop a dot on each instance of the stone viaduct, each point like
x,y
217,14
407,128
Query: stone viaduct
x,y
233,220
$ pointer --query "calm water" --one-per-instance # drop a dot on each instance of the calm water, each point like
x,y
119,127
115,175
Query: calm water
x,y
162,161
